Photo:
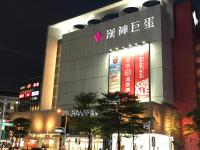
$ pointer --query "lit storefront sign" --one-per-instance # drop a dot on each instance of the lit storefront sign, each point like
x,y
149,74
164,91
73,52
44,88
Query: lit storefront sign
x,y
142,142
35,93
21,96
129,71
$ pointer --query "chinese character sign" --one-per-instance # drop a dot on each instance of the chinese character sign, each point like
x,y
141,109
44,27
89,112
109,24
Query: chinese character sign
x,y
127,73
142,74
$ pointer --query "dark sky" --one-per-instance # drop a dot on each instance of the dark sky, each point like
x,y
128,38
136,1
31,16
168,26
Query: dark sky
x,y
23,25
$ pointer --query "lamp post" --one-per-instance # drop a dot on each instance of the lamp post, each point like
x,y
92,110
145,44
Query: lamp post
x,y
60,111
16,106
2,119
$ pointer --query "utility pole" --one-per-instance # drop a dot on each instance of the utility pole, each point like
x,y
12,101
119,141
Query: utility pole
x,y
2,119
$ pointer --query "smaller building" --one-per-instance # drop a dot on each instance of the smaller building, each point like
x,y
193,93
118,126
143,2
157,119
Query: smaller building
x,y
12,101
29,95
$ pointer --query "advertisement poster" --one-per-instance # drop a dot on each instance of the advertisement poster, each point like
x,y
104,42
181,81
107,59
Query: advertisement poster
x,y
127,74
115,72
142,74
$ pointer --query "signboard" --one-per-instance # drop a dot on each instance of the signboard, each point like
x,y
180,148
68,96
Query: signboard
x,y
6,123
59,130
115,72
125,29
129,71
142,73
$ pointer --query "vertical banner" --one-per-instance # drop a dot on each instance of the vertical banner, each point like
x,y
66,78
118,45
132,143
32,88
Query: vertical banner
x,y
115,72
127,77
142,73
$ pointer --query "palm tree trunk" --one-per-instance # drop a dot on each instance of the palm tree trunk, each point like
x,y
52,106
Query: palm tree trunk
x,y
133,142
118,140
90,140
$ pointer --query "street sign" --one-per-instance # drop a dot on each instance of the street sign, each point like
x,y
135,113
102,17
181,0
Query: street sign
x,y
147,125
9,124
6,123
59,130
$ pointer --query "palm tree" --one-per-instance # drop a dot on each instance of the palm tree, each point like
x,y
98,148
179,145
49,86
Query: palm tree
x,y
84,120
195,126
121,112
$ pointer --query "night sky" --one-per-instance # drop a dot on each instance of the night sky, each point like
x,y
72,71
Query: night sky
x,y
23,26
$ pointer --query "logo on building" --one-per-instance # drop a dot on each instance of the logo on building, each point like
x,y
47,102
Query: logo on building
x,y
98,37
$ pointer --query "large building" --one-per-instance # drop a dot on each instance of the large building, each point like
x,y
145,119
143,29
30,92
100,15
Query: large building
x,y
137,46
142,47
29,95
11,101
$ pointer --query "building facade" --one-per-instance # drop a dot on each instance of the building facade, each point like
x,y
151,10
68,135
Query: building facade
x,y
12,100
145,48
29,95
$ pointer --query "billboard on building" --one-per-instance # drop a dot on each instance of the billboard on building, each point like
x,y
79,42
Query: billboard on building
x,y
115,72
129,71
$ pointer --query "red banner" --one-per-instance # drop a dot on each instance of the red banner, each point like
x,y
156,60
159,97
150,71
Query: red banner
x,y
127,76
142,74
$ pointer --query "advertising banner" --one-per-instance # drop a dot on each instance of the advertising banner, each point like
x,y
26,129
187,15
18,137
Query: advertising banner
x,y
127,76
129,72
115,72
142,74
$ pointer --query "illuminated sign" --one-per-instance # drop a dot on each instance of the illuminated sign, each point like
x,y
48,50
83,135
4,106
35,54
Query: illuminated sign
x,y
22,87
36,84
125,29
59,130
142,142
28,86
129,71
98,37
21,96
35,93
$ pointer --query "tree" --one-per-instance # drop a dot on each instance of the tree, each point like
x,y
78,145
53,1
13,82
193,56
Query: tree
x,y
120,112
195,126
21,127
132,111
84,120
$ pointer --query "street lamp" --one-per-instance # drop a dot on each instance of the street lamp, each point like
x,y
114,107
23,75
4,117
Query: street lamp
x,y
16,106
3,113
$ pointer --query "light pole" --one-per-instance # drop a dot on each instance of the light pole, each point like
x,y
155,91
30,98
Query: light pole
x,y
60,111
16,106
2,119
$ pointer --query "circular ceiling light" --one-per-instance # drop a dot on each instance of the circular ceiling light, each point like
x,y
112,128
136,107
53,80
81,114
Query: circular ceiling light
x,y
151,3
79,26
129,10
